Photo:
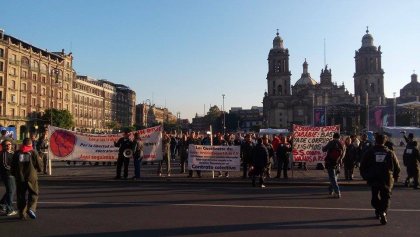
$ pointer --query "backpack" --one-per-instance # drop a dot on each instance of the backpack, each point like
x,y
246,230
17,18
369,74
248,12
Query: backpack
x,y
335,153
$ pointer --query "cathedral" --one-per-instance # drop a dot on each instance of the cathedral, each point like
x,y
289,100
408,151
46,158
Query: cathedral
x,y
309,102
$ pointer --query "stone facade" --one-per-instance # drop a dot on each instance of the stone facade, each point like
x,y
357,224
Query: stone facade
x,y
32,80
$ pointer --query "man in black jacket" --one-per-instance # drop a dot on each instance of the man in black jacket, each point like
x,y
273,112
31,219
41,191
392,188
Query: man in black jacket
x,y
333,160
380,167
260,161
124,144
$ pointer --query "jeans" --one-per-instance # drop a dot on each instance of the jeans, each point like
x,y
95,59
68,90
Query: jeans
x,y
10,184
333,176
137,167
167,160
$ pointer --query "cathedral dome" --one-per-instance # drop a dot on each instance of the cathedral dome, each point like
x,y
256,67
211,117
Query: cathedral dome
x,y
306,78
413,85
367,40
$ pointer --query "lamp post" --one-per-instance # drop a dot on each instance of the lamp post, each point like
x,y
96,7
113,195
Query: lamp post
x,y
224,117
395,109
147,108
55,72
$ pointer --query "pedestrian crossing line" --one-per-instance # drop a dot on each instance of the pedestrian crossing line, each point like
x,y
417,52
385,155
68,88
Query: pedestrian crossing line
x,y
222,205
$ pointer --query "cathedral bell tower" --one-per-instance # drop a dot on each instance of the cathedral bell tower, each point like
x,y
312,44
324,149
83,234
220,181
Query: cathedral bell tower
x,y
369,75
278,94
278,76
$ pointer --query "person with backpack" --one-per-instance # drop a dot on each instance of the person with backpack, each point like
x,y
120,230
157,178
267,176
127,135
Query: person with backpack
x,y
411,159
25,165
333,159
380,168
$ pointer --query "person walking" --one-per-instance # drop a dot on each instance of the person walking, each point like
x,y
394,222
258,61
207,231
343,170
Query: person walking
x,y
411,159
259,162
7,177
125,145
25,165
270,150
335,152
380,168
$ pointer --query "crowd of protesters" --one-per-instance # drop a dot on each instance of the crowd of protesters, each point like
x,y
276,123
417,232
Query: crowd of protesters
x,y
261,156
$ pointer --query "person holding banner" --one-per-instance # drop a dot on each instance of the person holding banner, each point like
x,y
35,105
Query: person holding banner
x,y
165,153
335,152
137,155
42,148
125,149
283,152
247,149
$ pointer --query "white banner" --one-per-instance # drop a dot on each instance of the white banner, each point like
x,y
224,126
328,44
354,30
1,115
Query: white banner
x,y
218,158
74,146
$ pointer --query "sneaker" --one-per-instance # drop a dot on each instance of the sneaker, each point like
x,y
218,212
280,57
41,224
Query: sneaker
x,y
330,193
227,175
337,195
169,174
262,186
12,213
31,214
382,218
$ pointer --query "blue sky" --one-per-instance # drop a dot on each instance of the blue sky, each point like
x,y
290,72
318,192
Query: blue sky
x,y
186,53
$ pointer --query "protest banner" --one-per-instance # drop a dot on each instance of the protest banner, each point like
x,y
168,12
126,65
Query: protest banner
x,y
217,158
74,146
308,142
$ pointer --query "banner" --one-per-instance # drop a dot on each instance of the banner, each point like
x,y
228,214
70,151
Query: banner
x,y
308,142
218,158
381,116
74,146
319,116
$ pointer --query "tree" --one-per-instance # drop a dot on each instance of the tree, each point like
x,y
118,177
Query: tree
x,y
59,118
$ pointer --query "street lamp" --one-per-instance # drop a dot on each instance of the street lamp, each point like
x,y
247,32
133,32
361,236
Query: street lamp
x,y
395,109
54,72
224,116
147,111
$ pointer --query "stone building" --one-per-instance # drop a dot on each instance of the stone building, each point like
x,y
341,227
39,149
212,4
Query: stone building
x,y
32,80
97,103
285,104
411,91
249,118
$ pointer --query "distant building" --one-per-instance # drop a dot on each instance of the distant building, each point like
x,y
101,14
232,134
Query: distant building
x,y
249,118
149,115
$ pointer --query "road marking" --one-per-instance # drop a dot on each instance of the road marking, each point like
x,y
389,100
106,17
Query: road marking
x,y
223,205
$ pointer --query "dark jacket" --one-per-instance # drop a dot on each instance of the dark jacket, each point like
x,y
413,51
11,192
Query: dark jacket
x,y
123,144
329,148
350,157
411,156
5,163
379,166
260,158
283,150
26,165
247,150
